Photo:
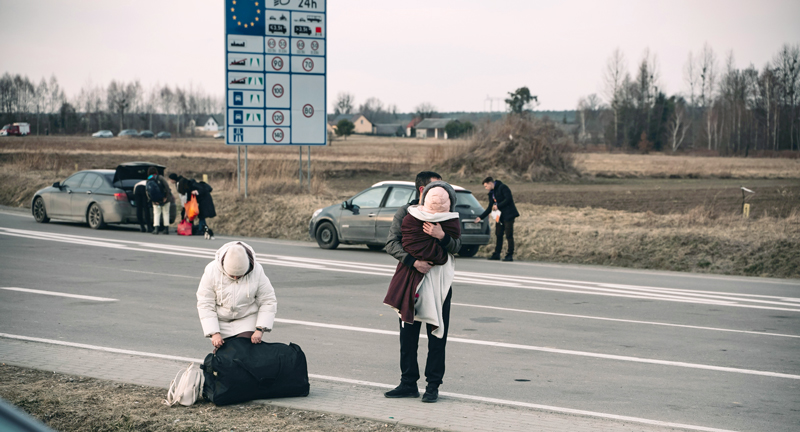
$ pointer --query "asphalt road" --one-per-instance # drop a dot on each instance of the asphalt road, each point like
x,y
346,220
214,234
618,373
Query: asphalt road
x,y
712,351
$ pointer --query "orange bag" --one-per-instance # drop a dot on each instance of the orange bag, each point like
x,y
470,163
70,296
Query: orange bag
x,y
192,208
185,228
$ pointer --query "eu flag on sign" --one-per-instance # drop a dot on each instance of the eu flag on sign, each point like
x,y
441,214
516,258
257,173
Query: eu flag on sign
x,y
245,17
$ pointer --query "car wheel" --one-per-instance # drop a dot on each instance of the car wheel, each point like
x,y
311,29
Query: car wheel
x,y
375,247
467,251
39,212
95,217
326,236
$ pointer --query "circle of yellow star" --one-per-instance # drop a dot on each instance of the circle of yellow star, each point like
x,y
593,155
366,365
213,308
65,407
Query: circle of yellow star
x,y
240,23
256,18
258,11
234,1
234,17
251,24
245,26
231,9
256,3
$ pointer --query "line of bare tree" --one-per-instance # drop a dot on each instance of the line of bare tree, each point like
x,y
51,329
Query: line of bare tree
x,y
116,106
724,109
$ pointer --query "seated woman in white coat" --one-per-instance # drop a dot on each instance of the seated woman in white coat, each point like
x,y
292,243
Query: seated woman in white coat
x,y
235,297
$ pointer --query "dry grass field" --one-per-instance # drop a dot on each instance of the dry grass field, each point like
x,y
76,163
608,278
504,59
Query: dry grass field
x,y
643,211
667,166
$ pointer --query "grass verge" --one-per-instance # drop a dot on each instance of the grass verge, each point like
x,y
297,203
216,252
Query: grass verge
x,y
70,403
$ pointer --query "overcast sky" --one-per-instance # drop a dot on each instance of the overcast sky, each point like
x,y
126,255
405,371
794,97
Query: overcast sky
x,y
452,53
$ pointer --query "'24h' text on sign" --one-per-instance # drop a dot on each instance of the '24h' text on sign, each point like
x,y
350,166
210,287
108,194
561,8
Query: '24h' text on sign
x,y
275,72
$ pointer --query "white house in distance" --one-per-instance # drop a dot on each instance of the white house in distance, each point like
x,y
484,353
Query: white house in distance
x,y
215,122
362,125
433,128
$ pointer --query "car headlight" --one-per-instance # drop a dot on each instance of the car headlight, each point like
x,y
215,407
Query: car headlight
x,y
316,212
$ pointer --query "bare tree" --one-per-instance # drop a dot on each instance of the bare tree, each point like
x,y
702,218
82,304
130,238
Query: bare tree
x,y
344,103
425,110
678,124
787,69
372,109
708,77
614,77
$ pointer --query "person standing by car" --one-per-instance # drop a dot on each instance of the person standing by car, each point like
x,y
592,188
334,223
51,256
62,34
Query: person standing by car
x,y
205,203
160,195
235,297
500,199
409,334
143,214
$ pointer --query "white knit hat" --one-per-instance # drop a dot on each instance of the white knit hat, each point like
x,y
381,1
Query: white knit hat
x,y
236,262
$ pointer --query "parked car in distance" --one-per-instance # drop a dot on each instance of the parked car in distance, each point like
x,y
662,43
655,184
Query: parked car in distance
x,y
366,218
219,135
128,132
146,134
97,197
18,129
164,134
103,134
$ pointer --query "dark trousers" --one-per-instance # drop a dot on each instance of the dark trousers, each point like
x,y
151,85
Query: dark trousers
x,y
409,342
506,227
144,212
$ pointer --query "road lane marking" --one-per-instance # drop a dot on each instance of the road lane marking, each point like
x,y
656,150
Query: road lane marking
x,y
384,386
626,321
551,350
751,301
59,294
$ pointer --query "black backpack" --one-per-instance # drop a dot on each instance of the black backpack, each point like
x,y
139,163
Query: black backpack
x,y
154,191
242,371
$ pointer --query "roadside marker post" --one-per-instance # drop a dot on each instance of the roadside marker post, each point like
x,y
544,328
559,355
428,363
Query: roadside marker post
x,y
276,75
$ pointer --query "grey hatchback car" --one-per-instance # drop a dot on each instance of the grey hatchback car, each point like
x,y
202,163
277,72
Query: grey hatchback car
x,y
367,217
97,197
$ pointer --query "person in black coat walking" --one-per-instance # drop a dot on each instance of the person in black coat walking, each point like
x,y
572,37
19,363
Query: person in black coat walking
x,y
500,199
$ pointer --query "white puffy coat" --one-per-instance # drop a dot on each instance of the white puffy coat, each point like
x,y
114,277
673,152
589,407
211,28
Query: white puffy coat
x,y
232,306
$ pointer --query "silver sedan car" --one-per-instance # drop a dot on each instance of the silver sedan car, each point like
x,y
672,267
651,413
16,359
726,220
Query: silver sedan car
x,y
97,197
367,217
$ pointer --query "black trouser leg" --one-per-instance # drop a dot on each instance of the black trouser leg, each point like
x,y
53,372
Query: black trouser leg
x,y
434,366
409,342
510,236
499,229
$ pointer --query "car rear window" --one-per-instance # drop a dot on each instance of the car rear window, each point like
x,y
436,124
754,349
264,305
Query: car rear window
x,y
466,199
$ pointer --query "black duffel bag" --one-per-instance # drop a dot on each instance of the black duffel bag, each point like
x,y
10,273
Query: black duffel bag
x,y
242,371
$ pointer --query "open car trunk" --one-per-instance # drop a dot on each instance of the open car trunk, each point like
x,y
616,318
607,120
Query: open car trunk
x,y
130,173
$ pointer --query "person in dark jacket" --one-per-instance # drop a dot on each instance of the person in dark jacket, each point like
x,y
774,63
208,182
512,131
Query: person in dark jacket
x,y
500,199
143,214
160,208
205,203
409,333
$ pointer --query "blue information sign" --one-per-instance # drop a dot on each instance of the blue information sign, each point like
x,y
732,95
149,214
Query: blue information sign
x,y
275,72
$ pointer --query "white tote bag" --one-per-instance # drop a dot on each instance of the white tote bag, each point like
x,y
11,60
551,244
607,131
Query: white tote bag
x,y
187,386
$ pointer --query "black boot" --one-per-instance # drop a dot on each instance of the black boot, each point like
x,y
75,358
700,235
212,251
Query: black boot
x,y
156,230
166,230
431,394
142,228
403,390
